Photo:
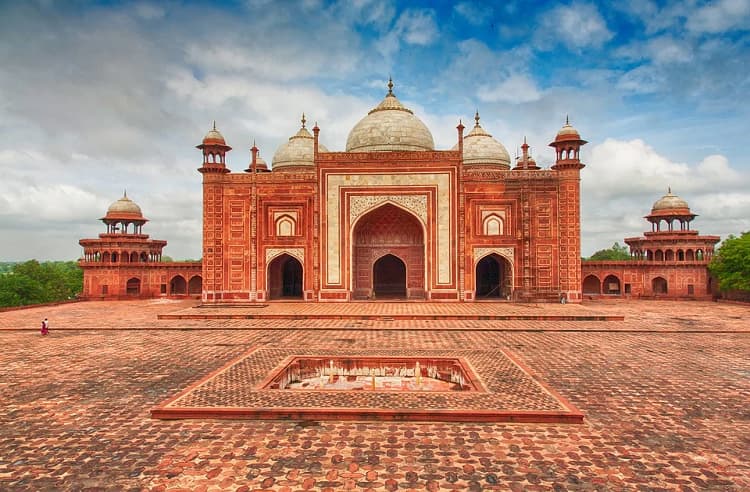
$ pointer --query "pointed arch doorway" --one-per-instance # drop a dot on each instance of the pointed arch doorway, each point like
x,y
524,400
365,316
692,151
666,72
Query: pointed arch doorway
x,y
494,278
389,277
388,255
285,278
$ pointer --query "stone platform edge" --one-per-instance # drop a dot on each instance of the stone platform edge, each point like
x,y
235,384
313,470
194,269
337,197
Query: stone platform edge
x,y
394,317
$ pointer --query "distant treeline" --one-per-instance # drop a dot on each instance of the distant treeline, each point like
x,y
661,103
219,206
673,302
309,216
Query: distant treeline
x,y
32,282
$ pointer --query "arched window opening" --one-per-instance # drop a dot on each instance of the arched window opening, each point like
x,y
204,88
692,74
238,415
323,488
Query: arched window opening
x,y
680,255
612,285
699,255
493,278
114,258
177,286
669,255
659,286
689,255
134,257
591,285
659,255
133,286
649,255
144,257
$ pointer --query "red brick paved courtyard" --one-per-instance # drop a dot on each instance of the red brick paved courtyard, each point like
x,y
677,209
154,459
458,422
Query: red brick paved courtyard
x,y
665,393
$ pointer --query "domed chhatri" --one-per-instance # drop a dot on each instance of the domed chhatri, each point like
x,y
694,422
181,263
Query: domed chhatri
x,y
390,126
298,151
567,132
669,204
124,208
482,150
667,211
214,137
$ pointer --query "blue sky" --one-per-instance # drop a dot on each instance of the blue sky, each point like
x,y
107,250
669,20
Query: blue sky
x,y
96,97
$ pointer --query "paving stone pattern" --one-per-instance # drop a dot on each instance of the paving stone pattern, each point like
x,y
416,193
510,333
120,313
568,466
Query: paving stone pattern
x,y
508,387
666,407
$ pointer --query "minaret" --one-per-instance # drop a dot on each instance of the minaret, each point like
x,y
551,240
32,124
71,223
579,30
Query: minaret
x,y
214,168
567,146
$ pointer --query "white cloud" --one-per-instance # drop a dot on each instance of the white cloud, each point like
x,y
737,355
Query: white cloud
x,y
577,26
720,16
474,13
413,26
515,89
149,11
624,178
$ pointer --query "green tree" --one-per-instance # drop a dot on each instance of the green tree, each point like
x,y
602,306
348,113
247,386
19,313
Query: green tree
x,y
32,282
731,263
616,252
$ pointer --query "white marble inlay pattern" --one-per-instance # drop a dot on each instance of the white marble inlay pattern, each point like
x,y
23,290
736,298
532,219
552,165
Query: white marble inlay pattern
x,y
506,253
331,208
298,253
360,204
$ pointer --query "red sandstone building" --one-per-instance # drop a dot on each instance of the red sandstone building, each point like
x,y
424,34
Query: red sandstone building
x,y
392,217
124,263
670,261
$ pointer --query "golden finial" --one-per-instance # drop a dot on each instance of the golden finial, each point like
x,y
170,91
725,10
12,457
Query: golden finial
x,y
567,120
669,190
214,125
303,120
476,118
125,193
390,86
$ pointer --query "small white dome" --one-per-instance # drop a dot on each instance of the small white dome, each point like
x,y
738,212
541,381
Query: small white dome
x,y
481,149
298,151
388,127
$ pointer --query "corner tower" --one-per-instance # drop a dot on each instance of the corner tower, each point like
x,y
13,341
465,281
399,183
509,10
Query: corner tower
x,y
567,144
214,168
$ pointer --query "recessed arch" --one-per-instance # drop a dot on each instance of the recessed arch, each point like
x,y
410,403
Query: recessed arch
x,y
591,285
133,286
659,286
611,285
286,226
386,229
195,285
178,285
493,225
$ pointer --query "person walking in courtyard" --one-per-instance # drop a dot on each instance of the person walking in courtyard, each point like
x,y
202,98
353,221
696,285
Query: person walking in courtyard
x,y
45,327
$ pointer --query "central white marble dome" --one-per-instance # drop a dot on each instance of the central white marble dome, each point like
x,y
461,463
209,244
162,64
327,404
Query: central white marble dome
x,y
389,126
